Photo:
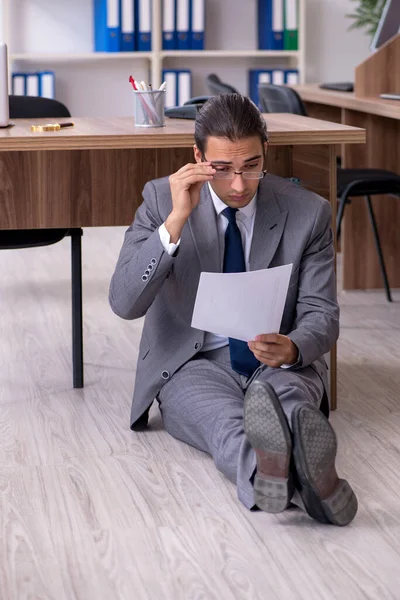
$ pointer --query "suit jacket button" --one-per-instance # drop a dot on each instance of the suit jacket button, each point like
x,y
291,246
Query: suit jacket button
x,y
145,277
165,374
197,345
153,261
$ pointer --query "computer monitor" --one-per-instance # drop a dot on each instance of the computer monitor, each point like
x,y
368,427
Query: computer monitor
x,y
389,24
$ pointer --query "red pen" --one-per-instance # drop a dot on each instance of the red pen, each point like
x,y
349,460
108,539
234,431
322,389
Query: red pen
x,y
132,82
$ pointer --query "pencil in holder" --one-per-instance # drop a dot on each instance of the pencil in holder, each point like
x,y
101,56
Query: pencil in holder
x,y
149,108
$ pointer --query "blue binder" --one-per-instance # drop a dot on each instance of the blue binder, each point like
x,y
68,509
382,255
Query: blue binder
x,y
107,25
270,25
127,25
169,25
257,76
197,12
143,25
183,24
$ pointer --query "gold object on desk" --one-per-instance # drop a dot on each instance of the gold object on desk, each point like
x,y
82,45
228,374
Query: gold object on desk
x,y
50,127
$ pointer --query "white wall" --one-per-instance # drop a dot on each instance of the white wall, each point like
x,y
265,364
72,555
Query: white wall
x,y
332,52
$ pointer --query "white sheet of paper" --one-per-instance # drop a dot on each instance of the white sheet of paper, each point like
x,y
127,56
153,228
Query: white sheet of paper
x,y
242,305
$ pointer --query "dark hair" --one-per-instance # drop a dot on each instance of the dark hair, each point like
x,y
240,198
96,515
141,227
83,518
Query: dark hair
x,y
230,116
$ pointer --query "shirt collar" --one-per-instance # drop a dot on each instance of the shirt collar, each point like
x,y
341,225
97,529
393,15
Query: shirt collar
x,y
248,211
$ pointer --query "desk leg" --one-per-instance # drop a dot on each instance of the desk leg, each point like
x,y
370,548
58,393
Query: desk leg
x,y
316,168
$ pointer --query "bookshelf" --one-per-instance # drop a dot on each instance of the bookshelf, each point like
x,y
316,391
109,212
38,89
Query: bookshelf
x,y
58,35
63,57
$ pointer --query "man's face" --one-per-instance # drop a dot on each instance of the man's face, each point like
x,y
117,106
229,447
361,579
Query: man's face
x,y
244,156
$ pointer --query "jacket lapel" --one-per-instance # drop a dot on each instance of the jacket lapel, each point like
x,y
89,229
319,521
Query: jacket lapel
x,y
204,230
269,224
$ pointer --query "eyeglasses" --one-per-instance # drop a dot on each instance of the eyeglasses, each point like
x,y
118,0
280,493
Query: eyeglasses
x,y
229,174
244,174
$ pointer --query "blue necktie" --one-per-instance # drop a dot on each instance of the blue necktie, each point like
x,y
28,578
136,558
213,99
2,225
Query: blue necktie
x,y
243,360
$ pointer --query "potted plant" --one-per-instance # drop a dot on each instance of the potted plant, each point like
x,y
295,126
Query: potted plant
x,y
367,15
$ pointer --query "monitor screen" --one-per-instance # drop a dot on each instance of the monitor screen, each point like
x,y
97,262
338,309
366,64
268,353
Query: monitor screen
x,y
389,24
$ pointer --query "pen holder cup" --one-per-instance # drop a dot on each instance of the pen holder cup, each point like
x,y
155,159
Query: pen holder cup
x,y
149,108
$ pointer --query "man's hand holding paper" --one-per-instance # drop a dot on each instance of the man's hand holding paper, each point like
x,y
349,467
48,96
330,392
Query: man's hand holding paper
x,y
274,350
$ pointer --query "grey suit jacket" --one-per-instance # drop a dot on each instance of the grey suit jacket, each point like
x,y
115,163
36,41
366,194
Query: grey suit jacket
x,y
292,225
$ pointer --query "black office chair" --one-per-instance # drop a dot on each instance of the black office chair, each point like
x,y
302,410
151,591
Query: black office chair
x,y
27,107
280,99
351,183
216,86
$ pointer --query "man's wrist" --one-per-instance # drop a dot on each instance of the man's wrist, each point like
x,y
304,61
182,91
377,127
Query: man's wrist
x,y
294,355
174,225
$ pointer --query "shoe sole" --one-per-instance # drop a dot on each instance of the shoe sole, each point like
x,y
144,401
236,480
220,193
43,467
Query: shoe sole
x,y
267,430
313,461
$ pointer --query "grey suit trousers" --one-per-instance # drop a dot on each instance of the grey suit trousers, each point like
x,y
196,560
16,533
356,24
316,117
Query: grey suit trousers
x,y
202,405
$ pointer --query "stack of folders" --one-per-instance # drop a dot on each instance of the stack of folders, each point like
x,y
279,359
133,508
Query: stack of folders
x,y
183,24
278,24
178,86
274,76
122,25
41,84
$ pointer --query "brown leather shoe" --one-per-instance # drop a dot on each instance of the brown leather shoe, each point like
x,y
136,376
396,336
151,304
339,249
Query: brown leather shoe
x,y
267,430
327,498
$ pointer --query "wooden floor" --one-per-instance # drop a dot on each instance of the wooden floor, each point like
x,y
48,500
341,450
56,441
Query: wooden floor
x,y
91,511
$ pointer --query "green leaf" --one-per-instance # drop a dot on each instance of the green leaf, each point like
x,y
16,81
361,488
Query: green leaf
x,y
366,15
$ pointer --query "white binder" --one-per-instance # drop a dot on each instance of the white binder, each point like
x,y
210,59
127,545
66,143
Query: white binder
x,y
18,84
264,77
32,84
292,78
278,77
184,87
170,78
47,84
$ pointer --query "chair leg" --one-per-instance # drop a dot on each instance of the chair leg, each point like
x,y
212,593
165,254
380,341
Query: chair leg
x,y
339,217
77,321
378,247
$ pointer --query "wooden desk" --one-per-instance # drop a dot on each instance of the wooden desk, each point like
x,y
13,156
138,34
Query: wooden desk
x,y
381,119
93,174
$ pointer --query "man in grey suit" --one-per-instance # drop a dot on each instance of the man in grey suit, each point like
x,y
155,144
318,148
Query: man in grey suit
x,y
259,408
